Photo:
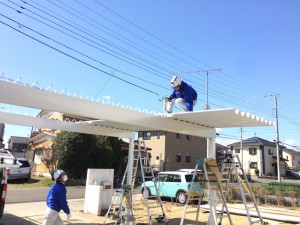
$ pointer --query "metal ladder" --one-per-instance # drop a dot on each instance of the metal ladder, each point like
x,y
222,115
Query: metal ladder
x,y
123,214
231,167
210,179
145,168
118,211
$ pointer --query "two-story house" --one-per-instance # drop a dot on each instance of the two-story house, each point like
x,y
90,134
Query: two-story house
x,y
41,141
258,153
173,151
293,158
18,145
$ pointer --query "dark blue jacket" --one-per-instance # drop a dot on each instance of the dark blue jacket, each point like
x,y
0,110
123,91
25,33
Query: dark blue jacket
x,y
187,93
57,198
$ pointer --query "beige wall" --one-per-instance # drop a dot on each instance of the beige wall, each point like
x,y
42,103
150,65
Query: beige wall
x,y
168,146
268,160
294,160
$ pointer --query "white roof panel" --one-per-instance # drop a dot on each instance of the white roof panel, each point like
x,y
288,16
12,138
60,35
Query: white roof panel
x,y
198,123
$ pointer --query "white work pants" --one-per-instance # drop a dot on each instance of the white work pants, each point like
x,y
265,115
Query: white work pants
x,y
179,102
52,217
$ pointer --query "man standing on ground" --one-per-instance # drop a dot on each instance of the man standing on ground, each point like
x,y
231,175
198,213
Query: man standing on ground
x,y
183,95
57,200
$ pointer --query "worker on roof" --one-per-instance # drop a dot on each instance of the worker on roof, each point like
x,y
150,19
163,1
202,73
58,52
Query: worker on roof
x,y
183,95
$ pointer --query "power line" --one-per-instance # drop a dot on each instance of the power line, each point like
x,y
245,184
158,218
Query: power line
x,y
241,100
220,92
57,29
125,58
78,60
110,30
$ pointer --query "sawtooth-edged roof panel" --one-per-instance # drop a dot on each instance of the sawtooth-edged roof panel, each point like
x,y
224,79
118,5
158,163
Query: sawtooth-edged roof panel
x,y
198,123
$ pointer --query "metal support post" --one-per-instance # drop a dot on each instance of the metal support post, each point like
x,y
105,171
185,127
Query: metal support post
x,y
130,159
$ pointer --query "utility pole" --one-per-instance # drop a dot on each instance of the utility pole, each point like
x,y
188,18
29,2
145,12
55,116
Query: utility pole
x,y
206,106
277,140
242,148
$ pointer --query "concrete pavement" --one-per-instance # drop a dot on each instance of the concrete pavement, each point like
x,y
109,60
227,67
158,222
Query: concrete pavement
x,y
33,213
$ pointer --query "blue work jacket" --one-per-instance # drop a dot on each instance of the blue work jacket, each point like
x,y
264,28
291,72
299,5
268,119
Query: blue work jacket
x,y
57,198
187,93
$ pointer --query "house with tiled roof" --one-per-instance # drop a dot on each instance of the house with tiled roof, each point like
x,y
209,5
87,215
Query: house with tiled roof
x,y
261,154
18,145
293,158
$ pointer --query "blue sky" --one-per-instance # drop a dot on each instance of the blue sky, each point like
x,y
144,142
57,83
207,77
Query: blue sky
x,y
146,42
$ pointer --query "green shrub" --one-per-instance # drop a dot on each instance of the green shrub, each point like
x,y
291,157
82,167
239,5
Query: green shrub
x,y
283,187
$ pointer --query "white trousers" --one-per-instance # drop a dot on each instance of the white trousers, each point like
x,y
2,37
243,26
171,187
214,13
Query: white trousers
x,y
52,217
179,102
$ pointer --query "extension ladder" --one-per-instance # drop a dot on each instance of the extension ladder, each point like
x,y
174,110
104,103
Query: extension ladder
x,y
146,168
232,169
210,180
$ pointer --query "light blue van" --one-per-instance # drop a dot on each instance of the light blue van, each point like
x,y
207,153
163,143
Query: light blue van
x,y
174,184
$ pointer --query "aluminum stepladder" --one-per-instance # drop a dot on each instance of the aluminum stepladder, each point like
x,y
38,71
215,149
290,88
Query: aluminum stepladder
x,y
232,168
146,166
123,214
118,211
210,180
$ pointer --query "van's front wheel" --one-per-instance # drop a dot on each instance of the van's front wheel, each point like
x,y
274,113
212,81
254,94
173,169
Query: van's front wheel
x,y
181,197
146,193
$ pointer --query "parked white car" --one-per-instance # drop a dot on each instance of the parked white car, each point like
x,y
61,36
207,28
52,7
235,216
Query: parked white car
x,y
189,170
7,162
23,172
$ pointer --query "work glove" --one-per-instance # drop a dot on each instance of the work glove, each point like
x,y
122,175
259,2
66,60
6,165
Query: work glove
x,y
69,216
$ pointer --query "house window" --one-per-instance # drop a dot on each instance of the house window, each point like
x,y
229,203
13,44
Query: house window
x,y
146,135
188,137
237,150
252,151
178,136
158,135
188,159
178,158
270,151
253,165
287,157
38,154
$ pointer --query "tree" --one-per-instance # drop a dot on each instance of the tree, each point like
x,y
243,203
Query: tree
x,y
82,151
51,157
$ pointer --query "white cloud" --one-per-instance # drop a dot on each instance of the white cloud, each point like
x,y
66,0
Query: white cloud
x,y
290,141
